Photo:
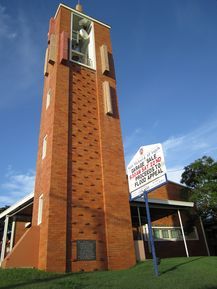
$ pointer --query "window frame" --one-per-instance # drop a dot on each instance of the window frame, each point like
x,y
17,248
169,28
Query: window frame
x,y
169,228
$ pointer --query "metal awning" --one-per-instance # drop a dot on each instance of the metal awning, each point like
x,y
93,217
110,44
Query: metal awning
x,y
27,200
165,202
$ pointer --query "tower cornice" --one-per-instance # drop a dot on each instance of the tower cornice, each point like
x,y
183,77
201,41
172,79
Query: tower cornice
x,y
81,14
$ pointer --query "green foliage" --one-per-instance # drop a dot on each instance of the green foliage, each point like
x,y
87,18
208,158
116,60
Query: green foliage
x,y
2,209
201,177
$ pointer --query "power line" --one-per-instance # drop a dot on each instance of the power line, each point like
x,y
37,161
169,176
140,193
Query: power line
x,y
175,170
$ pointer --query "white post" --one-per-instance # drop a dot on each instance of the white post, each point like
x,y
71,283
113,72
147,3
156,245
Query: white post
x,y
204,236
147,235
4,239
183,234
12,235
140,223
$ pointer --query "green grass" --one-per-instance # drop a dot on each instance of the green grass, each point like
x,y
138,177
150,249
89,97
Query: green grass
x,y
175,273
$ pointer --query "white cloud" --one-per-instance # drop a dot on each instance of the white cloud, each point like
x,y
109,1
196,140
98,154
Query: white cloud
x,y
16,186
172,142
183,150
179,150
174,174
186,148
132,143
19,48
5,23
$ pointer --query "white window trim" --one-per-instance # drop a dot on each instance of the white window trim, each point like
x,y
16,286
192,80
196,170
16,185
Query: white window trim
x,y
169,228
40,209
93,42
44,147
48,99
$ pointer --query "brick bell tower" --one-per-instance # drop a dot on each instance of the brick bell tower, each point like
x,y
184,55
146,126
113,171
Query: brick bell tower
x,y
81,207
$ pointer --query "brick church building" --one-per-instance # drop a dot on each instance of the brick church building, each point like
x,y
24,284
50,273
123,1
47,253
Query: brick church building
x,y
79,217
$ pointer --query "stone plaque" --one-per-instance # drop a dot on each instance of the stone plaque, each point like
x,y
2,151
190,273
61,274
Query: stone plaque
x,y
86,250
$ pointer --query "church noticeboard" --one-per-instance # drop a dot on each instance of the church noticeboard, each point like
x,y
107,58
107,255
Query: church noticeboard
x,y
86,250
146,171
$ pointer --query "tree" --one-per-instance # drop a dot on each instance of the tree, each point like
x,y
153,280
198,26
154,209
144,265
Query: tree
x,y
200,177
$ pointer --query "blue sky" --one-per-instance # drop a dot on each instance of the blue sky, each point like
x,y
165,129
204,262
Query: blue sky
x,y
165,54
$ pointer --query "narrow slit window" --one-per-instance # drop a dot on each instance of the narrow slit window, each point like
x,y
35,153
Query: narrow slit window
x,y
40,209
52,49
104,59
107,98
46,63
44,147
48,99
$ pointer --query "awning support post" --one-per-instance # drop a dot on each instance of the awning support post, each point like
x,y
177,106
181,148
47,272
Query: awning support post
x,y
140,223
204,236
12,234
4,239
183,233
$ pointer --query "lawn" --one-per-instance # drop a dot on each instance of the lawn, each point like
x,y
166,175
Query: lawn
x,y
175,273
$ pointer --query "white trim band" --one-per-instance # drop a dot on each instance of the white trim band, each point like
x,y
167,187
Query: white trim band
x,y
81,14
168,202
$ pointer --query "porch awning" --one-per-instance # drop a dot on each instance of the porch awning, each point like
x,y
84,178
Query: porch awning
x,y
18,206
166,202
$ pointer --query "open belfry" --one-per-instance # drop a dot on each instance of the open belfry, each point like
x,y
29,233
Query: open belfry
x,y
81,215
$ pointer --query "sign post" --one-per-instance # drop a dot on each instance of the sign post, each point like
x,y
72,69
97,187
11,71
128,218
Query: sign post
x,y
146,172
150,234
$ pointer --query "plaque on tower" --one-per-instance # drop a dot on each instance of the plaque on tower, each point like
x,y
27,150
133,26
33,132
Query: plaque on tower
x,y
86,250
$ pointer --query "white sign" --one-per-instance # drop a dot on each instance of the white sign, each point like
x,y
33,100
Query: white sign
x,y
147,170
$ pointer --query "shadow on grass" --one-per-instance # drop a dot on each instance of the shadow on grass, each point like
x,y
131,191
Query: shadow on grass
x,y
181,264
212,287
45,280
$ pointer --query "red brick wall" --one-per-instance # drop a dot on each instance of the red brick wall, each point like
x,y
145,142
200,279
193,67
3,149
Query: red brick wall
x,y
82,177
51,173
25,251
19,231
171,191
86,213
120,248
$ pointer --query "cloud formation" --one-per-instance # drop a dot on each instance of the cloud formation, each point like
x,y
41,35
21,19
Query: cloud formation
x,y
20,58
180,150
5,25
132,142
16,186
